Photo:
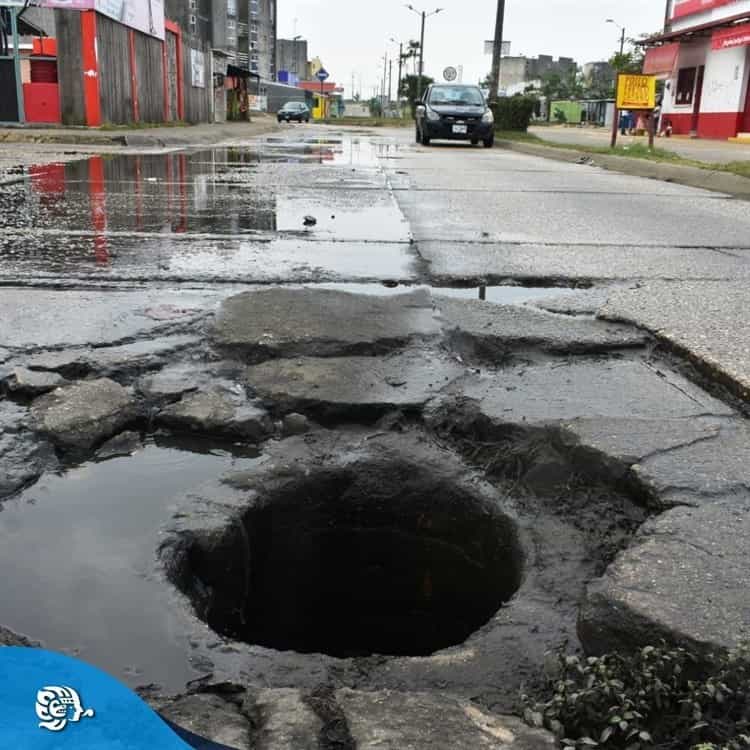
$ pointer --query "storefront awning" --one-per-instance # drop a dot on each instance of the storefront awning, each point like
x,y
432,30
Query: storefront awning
x,y
234,72
736,36
661,60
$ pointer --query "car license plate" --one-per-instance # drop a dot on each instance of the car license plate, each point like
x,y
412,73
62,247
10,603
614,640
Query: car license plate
x,y
460,129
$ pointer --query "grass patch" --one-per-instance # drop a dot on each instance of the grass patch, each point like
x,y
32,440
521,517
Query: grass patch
x,y
631,151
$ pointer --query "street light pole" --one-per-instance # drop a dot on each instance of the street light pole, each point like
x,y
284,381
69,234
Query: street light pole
x,y
622,35
497,51
424,16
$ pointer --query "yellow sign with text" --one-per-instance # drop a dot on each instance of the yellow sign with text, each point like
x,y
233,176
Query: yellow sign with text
x,y
636,92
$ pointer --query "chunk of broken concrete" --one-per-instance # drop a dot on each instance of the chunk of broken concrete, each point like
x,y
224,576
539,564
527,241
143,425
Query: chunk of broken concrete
x,y
295,424
124,444
336,384
389,720
30,383
321,322
218,412
683,580
492,331
79,416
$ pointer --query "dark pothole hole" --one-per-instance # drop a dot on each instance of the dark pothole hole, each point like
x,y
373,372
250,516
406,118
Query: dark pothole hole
x,y
373,559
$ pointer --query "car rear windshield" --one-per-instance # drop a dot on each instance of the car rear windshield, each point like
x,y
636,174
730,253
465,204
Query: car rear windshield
x,y
464,96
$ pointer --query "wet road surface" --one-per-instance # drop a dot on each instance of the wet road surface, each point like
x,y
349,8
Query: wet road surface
x,y
124,249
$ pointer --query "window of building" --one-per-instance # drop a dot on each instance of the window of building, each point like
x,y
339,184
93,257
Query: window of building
x,y
232,7
254,7
685,86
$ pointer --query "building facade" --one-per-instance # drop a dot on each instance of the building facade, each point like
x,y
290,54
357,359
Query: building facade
x,y
704,58
517,72
291,58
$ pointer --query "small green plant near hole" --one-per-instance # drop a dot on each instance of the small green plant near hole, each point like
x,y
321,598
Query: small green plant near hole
x,y
659,698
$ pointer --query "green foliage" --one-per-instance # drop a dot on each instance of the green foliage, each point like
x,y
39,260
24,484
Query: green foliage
x,y
560,117
514,112
376,107
410,87
657,698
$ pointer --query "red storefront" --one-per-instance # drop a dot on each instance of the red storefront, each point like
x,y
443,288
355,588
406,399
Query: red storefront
x,y
704,58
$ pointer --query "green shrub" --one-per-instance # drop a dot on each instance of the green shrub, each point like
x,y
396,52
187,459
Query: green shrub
x,y
657,698
514,112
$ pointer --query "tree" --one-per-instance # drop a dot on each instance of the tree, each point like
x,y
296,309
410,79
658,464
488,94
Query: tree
x,y
376,107
410,87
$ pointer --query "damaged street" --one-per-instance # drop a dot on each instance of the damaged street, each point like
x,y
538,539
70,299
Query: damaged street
x,y
325,439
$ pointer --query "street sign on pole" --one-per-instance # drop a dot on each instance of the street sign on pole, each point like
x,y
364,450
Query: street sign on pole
x,y
636,92
322,75
450,74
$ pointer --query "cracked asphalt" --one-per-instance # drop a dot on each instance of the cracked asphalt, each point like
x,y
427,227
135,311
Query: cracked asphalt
x,y
186,335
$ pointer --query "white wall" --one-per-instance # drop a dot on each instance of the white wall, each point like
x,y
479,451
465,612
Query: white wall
x,y
725,79
725,82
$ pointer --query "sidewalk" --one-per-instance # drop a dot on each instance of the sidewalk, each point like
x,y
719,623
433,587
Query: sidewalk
x,y
178,135
709,151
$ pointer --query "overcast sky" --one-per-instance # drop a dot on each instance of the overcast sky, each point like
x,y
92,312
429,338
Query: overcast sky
x,y
351,36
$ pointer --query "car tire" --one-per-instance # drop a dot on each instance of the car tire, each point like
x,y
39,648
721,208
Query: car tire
x,y
425,139
474,142
489,142
417,135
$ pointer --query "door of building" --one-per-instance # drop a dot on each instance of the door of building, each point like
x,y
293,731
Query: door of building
x,y
697,98
746,119
8,90
172,77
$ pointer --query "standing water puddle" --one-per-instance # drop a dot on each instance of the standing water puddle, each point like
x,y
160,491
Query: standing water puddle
x,y
78,555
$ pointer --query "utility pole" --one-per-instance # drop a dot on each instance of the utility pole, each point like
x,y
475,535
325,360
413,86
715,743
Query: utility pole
x,y
622,43
400,68
497,51
421,58
385,73
390,80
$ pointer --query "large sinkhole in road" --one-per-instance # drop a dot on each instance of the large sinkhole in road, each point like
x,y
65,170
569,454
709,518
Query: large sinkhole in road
x,y
378,559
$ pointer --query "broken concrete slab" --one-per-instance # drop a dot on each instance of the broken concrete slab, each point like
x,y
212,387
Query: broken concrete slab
x,y
106,361
9,638
208,716
5,355
406,380
389,720
219,411
124,444
295,424
79,416
174,381
567,390
493,331
321,322
683,580
696,473
28,383
285,720
23,457
36,319
703,319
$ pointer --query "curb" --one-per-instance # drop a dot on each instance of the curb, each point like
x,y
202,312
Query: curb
x,y
182,139
707,179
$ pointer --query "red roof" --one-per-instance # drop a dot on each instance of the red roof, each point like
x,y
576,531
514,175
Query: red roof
x,y
328,87
700,30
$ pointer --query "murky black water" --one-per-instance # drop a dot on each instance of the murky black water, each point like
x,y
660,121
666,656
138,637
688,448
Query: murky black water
x,y
78,556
